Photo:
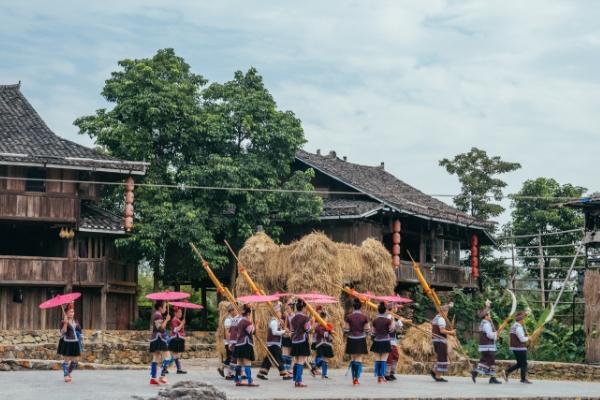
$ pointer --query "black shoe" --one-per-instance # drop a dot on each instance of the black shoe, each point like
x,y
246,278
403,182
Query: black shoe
x,y
390,377
526,381
495,381
474,376
433,375
440,380
181,372
221,371
229,378
262,376
313,371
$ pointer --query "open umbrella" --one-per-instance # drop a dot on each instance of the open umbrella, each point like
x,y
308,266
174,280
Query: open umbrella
x,y
322,301
393,299
313,296
257,298
60,300
185,305
167,296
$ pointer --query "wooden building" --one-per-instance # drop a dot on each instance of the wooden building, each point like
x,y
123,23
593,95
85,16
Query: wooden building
x,y
591,239
54,237
367,201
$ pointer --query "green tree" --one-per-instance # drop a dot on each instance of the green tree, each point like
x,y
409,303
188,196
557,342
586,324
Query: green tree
x,y
477,172
223,135
537,209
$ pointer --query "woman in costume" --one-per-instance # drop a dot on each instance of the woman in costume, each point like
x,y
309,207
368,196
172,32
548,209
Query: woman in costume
x,y
286,342
439,339
393,357
177,342
300,326
274,339
158,343
383,327
244,347
323,347
518,345
487,347
69,345
356,328
229,340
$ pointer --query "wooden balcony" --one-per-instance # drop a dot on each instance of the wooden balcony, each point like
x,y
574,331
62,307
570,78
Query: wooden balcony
x,y
38,206
56,271
445,276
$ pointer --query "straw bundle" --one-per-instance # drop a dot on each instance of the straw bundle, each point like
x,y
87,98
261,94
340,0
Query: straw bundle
x,y
315,263
417,345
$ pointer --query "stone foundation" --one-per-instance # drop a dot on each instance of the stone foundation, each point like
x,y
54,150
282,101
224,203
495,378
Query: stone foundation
x,y
100,347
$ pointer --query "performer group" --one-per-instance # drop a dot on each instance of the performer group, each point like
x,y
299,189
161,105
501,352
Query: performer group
x,y
289,335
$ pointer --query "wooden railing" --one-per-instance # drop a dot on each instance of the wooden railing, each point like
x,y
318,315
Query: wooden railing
x,y
442,275
58,271
56,207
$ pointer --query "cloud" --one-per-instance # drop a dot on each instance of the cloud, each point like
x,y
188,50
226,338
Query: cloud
x,y
406,82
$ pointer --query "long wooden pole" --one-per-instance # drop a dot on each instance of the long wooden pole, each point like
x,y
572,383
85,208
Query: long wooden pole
x,y
229,296
256,290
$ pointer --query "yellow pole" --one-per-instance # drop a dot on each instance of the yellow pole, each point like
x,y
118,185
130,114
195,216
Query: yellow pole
x,y
227,293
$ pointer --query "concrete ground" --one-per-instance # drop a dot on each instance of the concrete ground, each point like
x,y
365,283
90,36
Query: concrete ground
x,y
110,384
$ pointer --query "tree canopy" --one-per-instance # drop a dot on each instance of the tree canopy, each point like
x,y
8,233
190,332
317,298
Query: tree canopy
x,y
477,172
225,135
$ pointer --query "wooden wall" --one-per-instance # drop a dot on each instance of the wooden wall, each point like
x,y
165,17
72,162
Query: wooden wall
x,y
27,315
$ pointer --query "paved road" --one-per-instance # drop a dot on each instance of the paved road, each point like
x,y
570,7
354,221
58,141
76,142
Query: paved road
x,y
105,385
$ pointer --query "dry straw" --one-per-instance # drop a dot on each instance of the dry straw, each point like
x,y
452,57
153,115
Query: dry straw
x,y
316,263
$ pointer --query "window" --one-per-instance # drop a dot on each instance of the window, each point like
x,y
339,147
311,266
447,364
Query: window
x,y
35,185
442,251
91,247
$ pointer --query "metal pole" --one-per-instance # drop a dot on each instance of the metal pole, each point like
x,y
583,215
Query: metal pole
x,y
541,253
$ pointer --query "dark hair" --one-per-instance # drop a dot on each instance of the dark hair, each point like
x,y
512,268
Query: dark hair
x,y
381,308
158,304
300,304
323,314
356,304
246,309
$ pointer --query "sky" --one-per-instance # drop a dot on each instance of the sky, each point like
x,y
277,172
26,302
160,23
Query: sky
x,y
404,82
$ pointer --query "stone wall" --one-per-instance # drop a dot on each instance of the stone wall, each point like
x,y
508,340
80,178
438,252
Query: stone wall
x,y
537,370
100,347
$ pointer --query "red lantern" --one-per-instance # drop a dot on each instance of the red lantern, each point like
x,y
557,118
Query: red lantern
x,y
474,256
128,221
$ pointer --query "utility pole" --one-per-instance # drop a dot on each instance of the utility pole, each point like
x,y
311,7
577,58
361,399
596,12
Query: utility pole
x,y
541,254
514,270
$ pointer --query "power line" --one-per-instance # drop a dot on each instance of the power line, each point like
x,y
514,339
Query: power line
x,y
183,186
538,234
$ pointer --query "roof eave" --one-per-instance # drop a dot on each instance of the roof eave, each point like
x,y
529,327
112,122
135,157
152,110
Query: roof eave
x,y
391,205
75,167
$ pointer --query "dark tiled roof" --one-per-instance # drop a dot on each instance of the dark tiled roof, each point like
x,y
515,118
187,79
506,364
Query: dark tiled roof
x,y
25,139
384,187
346,208
96,219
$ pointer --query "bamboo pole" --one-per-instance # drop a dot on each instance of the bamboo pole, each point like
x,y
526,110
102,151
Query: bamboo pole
x,y
227,293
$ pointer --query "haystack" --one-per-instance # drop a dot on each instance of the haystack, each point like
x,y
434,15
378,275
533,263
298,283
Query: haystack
x,y
314,263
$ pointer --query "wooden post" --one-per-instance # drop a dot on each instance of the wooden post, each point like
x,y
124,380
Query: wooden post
x,y
204,312
474,256
103,299
542,283
514,268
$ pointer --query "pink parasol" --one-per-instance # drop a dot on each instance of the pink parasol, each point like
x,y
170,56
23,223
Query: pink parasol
x,y
313,296
281,294
167,296
393,299
322,301
60,300
185,304
256,298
